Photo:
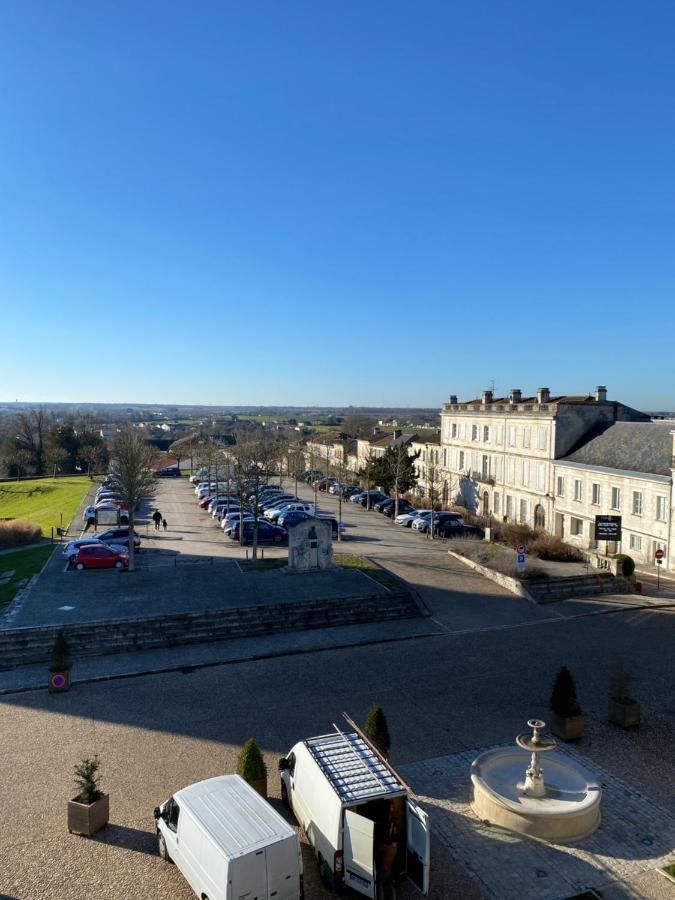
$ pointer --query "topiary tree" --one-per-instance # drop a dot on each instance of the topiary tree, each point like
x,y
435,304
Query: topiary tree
x,y
376,730
87,781
251,765
60,660
628,564
619,685
564,701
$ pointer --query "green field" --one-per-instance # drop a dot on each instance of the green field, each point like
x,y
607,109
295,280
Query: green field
x,y
43,500
24,563
350,561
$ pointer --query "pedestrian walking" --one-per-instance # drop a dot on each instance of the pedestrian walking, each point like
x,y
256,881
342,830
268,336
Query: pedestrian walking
x,y
164,525
157,518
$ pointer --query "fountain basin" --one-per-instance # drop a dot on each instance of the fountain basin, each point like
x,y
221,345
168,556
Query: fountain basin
x,y
569,811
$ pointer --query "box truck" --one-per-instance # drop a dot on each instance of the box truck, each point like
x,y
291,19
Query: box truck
x,y
366,830
229,843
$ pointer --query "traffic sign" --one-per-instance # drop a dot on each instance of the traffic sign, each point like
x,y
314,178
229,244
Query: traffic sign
x,y
659,555
521,557
520,550
608,528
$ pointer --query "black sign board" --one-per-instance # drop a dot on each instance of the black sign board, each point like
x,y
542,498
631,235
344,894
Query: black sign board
x,y
608,528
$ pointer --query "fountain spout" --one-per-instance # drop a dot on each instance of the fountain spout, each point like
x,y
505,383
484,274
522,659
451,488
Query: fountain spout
x,y
534,786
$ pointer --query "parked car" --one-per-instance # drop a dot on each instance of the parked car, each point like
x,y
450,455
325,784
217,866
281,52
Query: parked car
x,y
369,498
168,472
276,501
229,525
452,528
228,842
348,490
356,497
403,507
267,533
423,523
89,513
344,795
99,556
406,519
117,536
273,514
70,549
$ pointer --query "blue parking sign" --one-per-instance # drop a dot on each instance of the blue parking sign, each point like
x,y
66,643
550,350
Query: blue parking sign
x,y
521,557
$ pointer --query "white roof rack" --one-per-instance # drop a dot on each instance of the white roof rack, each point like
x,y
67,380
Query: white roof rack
x,y
354,771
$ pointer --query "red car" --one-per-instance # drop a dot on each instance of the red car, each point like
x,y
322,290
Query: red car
x,y
99,556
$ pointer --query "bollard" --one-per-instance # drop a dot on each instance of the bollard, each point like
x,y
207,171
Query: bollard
x,y
52,534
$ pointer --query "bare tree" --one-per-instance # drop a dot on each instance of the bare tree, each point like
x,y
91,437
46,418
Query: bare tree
x,y
31,431
92,455
55,457
255,460
132,475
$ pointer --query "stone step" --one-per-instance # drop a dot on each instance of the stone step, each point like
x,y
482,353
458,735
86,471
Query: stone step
x,y
29,645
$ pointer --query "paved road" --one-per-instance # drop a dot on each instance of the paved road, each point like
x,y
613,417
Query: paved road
x,y
442,695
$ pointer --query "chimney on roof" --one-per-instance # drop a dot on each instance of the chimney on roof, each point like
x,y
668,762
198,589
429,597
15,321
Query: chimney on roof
x,y
600,393
543,395
487,398
515,395
397,433
453,398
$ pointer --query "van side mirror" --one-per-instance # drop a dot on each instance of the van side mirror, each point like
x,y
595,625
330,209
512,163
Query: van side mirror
x,y
157,813
283,764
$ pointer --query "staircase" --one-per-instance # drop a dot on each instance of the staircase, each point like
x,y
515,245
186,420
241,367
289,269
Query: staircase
x,y
577,586
19,646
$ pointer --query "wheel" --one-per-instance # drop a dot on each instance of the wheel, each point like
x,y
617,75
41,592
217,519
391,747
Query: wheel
x,y
325,874
79,566
119,564
161,847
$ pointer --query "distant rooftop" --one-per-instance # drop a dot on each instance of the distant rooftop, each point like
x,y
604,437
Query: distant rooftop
x,y
631,446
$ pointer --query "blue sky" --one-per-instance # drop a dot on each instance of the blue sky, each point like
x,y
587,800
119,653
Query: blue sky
x,y
336,203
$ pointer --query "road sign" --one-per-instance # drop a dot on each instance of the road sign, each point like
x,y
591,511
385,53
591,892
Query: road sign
x,y
520,549
659,555
608,528
521,557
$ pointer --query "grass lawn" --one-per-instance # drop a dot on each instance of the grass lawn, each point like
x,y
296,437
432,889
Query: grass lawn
x,y
24,563
43,500
349,561
258,565
670,870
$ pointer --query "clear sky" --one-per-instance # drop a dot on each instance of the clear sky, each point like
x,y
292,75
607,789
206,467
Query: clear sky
x,y
337,202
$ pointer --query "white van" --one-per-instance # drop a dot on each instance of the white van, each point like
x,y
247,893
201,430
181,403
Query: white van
x,y
366,830
229,843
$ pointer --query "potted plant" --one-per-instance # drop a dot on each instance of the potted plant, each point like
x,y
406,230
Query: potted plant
x,y
623,710
251,766
89,811
567,721
60,664
376,730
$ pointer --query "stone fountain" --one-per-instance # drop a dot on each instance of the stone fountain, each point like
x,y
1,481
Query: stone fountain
x,y
510,793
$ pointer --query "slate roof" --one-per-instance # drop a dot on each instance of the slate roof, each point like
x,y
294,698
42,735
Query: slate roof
x,y
632,446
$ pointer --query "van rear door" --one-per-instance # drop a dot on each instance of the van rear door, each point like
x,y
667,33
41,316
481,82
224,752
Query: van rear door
x,y
283,870
249,876
358,853
417,857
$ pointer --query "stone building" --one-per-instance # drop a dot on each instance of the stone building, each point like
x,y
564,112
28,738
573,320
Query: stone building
x,y
627,470
499,453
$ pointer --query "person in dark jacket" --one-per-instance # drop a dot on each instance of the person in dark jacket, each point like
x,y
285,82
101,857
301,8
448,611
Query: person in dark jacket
x,y
157,518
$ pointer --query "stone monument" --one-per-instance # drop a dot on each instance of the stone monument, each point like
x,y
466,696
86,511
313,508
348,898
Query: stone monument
x,y
310,546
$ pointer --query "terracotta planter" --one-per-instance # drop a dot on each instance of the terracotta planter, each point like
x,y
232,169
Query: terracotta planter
x,y
569,728
626,713
58,681
88,818
259,785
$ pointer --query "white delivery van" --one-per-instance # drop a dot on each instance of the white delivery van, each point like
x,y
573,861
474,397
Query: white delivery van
x,y
229,843
366,830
